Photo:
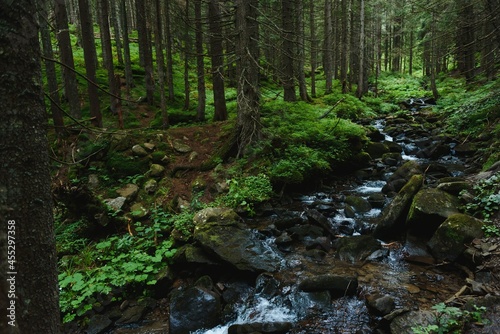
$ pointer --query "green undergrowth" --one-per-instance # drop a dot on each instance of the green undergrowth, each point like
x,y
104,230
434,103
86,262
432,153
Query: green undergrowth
x,y
110,268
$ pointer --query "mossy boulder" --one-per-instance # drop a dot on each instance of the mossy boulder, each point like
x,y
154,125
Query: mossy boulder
x,y
455,187
393,216
120,165
429,209
376,150
358,203
449,241
356,248
156,170
220,233
402,175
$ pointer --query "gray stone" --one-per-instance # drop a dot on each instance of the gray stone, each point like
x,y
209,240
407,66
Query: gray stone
x,y
116,203
381,305
149,146
139,151
129,191
404,323
192,309
98,324
181,147
356,248
359,203
338,285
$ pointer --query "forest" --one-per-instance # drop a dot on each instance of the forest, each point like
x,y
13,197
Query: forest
x,y
250,166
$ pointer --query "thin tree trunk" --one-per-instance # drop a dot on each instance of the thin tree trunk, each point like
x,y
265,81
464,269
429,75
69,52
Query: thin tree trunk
x,y
160,65
50,70
89,53
344,60
187,47
126,48
216,53
314,46
287,54
170,62
327,49
145,50
200,67
29,296
106,48
116,29
300,54
66,52
361,77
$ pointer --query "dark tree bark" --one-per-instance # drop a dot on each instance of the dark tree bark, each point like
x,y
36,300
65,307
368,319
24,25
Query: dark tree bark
x,y
89,54
465,39
249,127
145,50
200,67
160,65
170,62
50,69
66,52
344,58
327,48
29,301
108,52
126,48
287,50
300,53
314,46
187,47
116,29
217,56
361,75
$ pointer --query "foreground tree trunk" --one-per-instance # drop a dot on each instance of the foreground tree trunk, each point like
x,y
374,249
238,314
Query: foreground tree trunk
x,y
249,128
29,301
287,51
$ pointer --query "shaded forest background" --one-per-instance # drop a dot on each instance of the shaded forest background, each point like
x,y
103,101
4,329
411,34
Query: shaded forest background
x,y
188,48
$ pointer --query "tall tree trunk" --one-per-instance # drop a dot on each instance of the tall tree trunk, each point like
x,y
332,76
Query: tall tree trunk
x,y
29,301
107,50
327,48
50,69
249,127
66,52
361,77
200,67
170,62
89,54
116,29
344,60
465,39
314,46
187,47
126,48
145,50
160,65
217,56
287,54
300,54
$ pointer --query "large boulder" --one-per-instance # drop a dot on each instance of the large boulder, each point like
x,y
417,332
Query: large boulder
x,y
449,241
405,323
192,309
356,248
338,285
429,209
221,233
402,175
393,216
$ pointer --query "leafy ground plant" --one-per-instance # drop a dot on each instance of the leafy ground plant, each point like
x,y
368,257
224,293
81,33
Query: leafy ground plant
x,y
450,319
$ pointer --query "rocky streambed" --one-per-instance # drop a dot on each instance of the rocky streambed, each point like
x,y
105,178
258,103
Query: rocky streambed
x,y
367,253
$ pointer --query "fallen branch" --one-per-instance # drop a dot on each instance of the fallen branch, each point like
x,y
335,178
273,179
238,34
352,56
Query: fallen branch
x,y
331,109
